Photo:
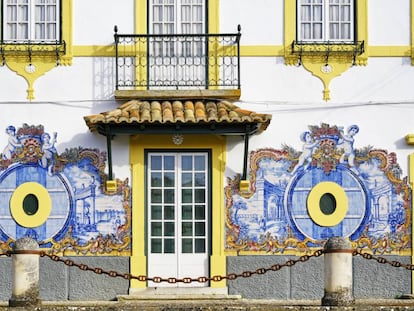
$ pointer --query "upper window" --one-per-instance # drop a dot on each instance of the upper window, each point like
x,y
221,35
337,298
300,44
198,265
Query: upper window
x,y
177,16
325,20
31,20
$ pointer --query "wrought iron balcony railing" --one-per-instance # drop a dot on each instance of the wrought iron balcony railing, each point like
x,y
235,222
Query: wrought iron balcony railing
x,y
177,62
29,49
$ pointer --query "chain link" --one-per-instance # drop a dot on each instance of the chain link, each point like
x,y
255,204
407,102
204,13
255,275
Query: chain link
x,y
204,279
383,260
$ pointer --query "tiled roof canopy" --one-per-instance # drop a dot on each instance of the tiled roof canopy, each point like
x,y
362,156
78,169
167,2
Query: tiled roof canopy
x,y
198,117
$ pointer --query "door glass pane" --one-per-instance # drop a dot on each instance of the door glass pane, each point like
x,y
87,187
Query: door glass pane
x,y
187,179
169,229
200,213
200,179
187,163
156,180
169,196
200,245
169,179
156,196
156,229
187,229
187,246
199,163
187,195
187,212
169,163
156,162
156,246
200,229
169,246
200,195
169,212
156,212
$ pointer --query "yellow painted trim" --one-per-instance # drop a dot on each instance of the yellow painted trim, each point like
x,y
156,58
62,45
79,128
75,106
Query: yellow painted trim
x,y
141,18
245,51
217,145
411,181
313,204
16,205
214,16
43,63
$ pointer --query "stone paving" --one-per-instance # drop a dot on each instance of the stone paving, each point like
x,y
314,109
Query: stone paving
x,y
219,305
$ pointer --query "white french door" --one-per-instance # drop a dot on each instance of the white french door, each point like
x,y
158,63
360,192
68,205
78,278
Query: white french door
x,y
177,216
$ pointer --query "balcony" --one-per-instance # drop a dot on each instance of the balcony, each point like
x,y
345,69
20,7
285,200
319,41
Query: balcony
x,y
177,66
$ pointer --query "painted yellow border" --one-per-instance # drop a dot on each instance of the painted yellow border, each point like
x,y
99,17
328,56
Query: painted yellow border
x,y
217,145
16,205
313,203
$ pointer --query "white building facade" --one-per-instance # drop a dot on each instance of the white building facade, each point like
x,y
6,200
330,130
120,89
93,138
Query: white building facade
x,y
202,138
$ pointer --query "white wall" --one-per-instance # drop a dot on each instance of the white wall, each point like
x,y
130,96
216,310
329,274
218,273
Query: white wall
x,y
94,20
389,22
261,23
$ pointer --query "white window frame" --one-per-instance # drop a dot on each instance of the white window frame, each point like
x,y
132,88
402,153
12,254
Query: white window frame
x,y
319,27
33,21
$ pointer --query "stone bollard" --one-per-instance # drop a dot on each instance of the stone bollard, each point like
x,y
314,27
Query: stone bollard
x,y
25,266
338,273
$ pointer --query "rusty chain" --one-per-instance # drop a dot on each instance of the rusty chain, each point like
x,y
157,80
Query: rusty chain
x,y
383,260
204,279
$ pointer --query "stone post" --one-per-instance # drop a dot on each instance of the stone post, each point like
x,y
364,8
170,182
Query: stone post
x,y
25,270
338,273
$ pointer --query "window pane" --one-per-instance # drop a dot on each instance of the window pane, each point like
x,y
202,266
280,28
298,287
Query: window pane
x,y
200,229
156,196
187,245
200,213
200,245
187,163
169,246
187,212
317,31
156,212
200,179
187,229
156,162
156,180
187,196
156,246
199,163
169,179
169,229
156,229
169,196
169,212
186,179
169,163
200,196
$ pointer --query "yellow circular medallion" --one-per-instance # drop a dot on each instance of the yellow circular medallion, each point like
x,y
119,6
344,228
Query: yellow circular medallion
x,y
336,213
35,195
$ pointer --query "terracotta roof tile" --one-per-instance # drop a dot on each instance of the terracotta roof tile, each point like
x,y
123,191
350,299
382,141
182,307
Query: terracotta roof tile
x,y
144,112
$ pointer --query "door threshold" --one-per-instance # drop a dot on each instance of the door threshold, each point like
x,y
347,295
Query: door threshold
x,y
177,293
